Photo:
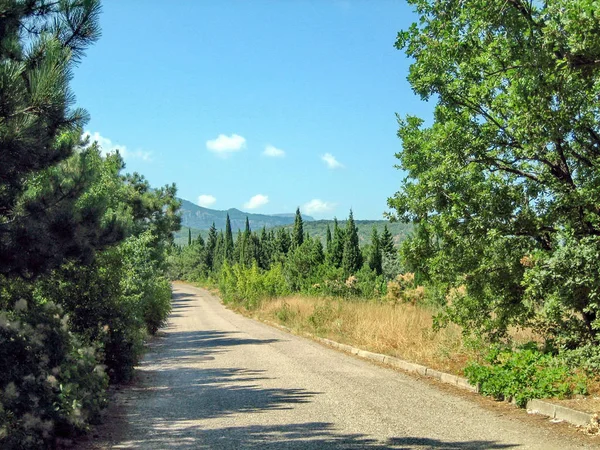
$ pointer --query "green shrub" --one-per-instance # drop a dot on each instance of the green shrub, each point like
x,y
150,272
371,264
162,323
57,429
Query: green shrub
x,y
51,384
524,374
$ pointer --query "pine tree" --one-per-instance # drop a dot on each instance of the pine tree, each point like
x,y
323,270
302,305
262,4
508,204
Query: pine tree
x,y
298,231
375,255
41,138
328,240
387,243
352,257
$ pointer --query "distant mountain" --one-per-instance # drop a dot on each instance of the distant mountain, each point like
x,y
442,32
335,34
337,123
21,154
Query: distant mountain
x,y
200,218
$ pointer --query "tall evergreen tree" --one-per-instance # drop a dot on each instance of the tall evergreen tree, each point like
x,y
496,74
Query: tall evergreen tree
x,y
336,252
265,249
211,245
228,243
298,231
387,243
283,241
352,257
375,257
328,240
189,236
44,168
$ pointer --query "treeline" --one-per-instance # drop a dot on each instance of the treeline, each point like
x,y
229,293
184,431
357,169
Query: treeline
x,y
271,263
82,246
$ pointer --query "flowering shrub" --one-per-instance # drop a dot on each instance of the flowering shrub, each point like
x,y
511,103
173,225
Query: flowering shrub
x,y
50,383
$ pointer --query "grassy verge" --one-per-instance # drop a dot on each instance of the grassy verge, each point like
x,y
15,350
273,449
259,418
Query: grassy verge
x,y
403,330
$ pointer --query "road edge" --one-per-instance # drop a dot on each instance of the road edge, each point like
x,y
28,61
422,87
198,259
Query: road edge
x,y
534,406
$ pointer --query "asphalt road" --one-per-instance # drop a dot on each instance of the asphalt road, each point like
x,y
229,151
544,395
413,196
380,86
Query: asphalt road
x,y
217,380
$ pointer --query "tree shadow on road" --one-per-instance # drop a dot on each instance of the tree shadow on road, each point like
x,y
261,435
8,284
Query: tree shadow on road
x,y
179,347
176,399
296,436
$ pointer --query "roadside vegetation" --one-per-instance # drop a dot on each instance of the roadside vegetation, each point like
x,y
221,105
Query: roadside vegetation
x,y
503,191
82,246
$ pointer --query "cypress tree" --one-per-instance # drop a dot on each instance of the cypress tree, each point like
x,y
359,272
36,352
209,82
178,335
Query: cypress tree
x,y
189,236
264,250
352,257
337,245
375,255
228,244
211,245
283,242
298,232
328,240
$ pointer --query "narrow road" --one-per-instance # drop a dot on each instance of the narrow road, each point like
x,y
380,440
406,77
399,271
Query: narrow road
x,y
217,380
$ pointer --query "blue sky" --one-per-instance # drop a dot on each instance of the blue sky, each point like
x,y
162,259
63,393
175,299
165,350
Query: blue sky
x,y
257,105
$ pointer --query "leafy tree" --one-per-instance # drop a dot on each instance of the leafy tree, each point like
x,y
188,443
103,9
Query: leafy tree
x,y
504,185
298,232
352,257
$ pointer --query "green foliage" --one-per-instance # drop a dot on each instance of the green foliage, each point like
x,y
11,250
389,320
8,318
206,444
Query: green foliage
x,y
375,255
82,247
523,374
351,256
51,382
298,231
504,185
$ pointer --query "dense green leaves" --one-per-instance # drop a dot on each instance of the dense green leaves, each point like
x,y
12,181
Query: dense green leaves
x,y
82,247
504,185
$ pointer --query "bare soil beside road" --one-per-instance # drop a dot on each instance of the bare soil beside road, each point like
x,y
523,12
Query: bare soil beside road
x,y
217,380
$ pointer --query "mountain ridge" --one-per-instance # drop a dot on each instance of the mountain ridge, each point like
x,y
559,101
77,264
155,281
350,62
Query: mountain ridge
x,y
201,218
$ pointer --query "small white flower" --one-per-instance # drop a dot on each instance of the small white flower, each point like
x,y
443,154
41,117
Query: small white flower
x,y
52,381
21,305
10,391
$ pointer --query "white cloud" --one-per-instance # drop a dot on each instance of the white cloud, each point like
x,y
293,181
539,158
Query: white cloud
x,y
225,145
273,152
107,146
257,201
331,162
206,200
316,206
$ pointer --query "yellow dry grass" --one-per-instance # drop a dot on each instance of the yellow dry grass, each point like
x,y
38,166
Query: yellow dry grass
x,y
402,330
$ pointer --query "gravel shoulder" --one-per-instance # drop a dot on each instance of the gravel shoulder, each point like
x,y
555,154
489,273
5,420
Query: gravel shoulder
x,y
214,379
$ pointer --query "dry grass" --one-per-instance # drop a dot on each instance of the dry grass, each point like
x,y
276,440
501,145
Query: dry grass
x,y
402,330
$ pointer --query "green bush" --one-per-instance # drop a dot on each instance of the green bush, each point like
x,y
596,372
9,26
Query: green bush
x,y
51,384
524,374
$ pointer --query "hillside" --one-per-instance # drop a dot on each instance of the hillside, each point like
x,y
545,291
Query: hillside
x,y
197,217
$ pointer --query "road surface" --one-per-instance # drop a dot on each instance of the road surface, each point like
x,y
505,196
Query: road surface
x,y
217,380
